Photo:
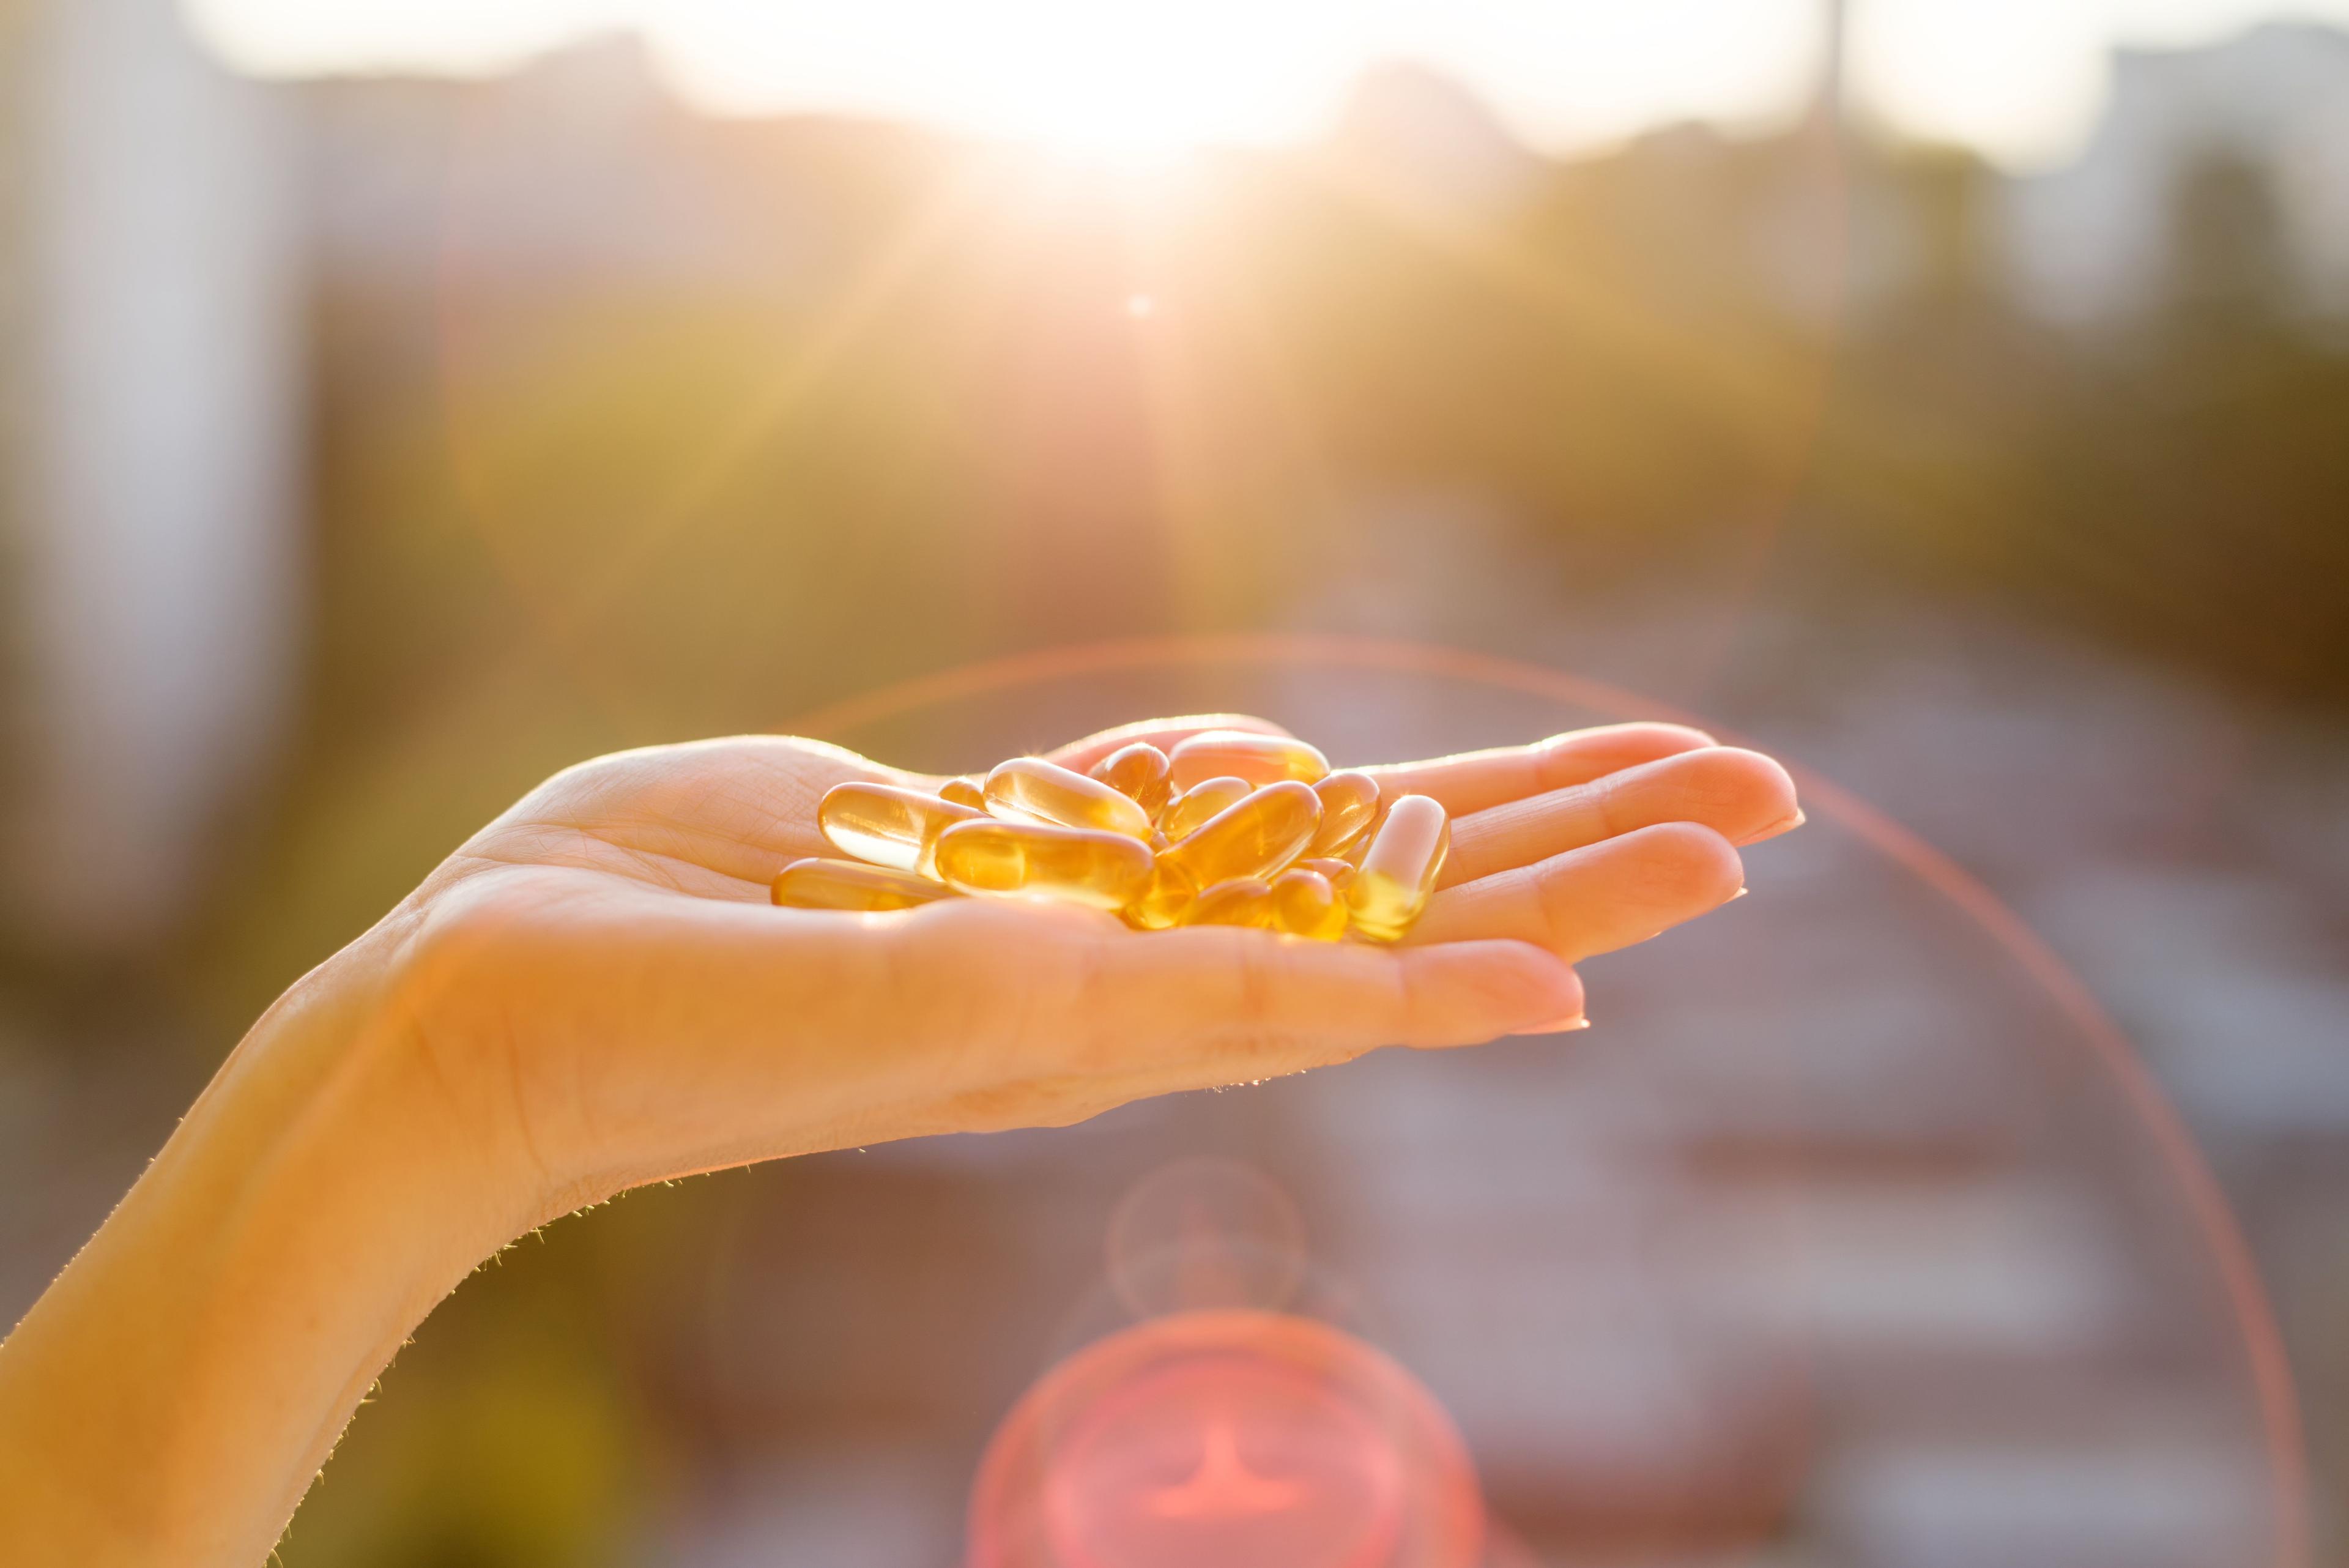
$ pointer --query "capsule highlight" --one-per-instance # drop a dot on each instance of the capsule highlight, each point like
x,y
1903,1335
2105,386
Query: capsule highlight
x,y
1200,802
1337,873
1243,902
1350,805
1163,901
1260,759
1305,905
817,883
886,825
1399,869
1106,870
1267,829
1141,772
1034,790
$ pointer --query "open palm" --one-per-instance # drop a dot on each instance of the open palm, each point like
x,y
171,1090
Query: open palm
x,y
600,987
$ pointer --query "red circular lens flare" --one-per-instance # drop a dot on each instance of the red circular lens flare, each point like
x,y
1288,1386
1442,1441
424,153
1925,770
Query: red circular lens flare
x,y
1226,1440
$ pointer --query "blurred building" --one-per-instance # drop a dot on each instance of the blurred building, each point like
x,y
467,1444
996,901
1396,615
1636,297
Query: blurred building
x,y
153,330
2093,242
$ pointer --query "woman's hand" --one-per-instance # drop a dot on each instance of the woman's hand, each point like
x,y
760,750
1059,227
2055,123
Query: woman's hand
x,y
598,989
594,992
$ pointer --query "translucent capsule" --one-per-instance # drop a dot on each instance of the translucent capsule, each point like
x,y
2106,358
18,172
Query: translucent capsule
x,y
1337,873
1162,902
1200,802
1398,871
886,825
1139,772
1349,802
964,792
1030,789
820,884
1107,870
1260,759
1304,905
1267,829
1242,901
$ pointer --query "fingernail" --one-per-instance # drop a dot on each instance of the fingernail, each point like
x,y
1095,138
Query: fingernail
x,y
1739,894
1555,1026
1784,824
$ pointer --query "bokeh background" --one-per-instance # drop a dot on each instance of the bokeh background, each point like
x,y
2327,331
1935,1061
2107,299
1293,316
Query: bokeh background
x,y
399,402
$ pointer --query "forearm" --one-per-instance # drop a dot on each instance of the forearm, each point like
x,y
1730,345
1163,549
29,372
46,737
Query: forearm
x,y
171,1396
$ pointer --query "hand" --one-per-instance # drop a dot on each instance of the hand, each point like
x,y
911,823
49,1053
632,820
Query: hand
x,y
595,991
597,987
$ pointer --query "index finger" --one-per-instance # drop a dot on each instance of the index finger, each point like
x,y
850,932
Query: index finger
x,y
1164,734
1474,781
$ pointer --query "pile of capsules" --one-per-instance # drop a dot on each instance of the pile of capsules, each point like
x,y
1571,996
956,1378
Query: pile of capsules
x,y
1230,828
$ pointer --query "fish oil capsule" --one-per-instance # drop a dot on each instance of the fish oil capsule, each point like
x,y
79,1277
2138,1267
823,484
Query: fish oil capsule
x,y
1107,870
1337,873
1260,759
1398,871
1200,802
1140,773
1305,905
1267,830
886,825
1349,802
1162,902
1030,789
964,792
1242,901
820,884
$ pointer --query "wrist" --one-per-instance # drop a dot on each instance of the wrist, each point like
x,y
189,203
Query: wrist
x,y
173,1393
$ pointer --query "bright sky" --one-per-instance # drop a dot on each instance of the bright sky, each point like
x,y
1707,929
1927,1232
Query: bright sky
x,y
2022,79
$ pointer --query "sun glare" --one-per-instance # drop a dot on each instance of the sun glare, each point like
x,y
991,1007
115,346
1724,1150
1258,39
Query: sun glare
x,y
1121,84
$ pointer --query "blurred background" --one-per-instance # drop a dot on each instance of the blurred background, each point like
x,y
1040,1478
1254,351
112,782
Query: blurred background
x,y
399,402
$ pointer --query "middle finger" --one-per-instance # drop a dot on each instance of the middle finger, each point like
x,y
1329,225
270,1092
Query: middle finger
x,y
1742,796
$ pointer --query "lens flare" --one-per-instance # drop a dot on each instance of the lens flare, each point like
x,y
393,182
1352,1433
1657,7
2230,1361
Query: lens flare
x,y
1236,1439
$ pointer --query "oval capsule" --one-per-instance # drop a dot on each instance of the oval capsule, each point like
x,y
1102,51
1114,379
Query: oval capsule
x,y
1267,829
821,884
1163,901
1242,901
1349,804
886,825
1107,870
965,791
1337,873
1200,802
1141,772
1305,905
1030,789
1398,871
1260,759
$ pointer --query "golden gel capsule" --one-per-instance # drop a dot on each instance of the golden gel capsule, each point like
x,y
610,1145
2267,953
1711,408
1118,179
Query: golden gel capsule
x,y
1349,802
1399,869
1139,772
964,792
1243,902
886,825
1337,873
1200,802
1107,870
1267,830
1260,759
819,884
1304,905
1164,900
1030,789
